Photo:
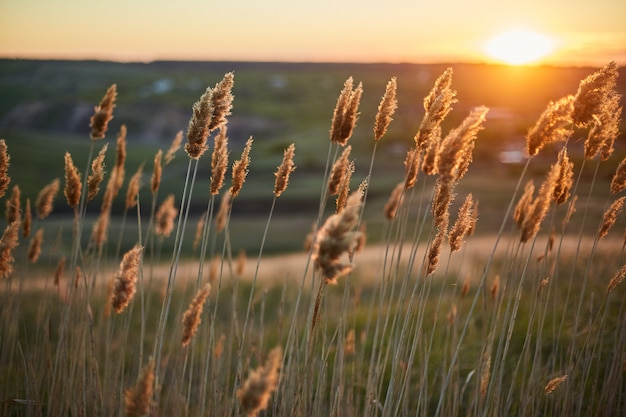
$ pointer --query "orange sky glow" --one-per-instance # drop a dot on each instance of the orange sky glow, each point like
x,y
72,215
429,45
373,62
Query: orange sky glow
x,y
584,32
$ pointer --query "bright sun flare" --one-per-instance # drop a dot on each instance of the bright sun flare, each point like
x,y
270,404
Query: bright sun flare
x,y
518,47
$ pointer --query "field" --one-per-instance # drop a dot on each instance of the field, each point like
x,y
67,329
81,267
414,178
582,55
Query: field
x,y
474,294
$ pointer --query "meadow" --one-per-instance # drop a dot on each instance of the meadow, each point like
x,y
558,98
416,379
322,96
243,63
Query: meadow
x,y
385,265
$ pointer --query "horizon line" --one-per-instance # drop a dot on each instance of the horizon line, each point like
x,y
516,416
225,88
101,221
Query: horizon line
x,y
302,62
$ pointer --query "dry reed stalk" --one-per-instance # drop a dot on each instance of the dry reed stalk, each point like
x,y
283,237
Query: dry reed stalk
x,y
565,178
157,172
59,271
344,188
199,231
610,216
73,184
174,147
126,279
254,395
138,399
455,149
134,184
618,182
97,173
338,171
27,221
5,162
240,267
284,171
103,113
540,205
554,383
336,237
99,230
524,203
14,205
437,104
44,203
346,113
34,249
411,167
461,226
8,242
240,169
592,94
191,317
495,287
605,128
219,161
554,125
617,279
431,152
386,108
165,216
222,214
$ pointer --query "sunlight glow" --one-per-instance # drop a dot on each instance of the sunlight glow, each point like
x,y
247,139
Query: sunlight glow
x,y
519,47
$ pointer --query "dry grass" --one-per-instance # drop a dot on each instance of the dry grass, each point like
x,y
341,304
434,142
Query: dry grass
x,y
429,320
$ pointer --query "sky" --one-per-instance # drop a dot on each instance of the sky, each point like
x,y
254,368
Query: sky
x,y
585,32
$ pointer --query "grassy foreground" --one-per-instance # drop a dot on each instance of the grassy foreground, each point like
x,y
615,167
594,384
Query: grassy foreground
x,y
429,320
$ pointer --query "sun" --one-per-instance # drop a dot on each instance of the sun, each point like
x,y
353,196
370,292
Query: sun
x,y
519,47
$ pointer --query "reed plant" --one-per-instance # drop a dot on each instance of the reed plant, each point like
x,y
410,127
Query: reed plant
x,y
427,321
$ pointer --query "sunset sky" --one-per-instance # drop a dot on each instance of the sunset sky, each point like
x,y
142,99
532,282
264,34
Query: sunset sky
x,y
583,32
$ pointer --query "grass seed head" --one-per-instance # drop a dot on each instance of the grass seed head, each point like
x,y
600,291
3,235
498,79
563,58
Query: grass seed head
x,y
103,113
138,399
126,279
284,171
165,216
610,216
219,161
240,169
554,125
386,109
8,242
255,392
618,183
5,162
155,181
174,147
73,184
191,317
34,249
592,94
97,173
14,205
45,199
